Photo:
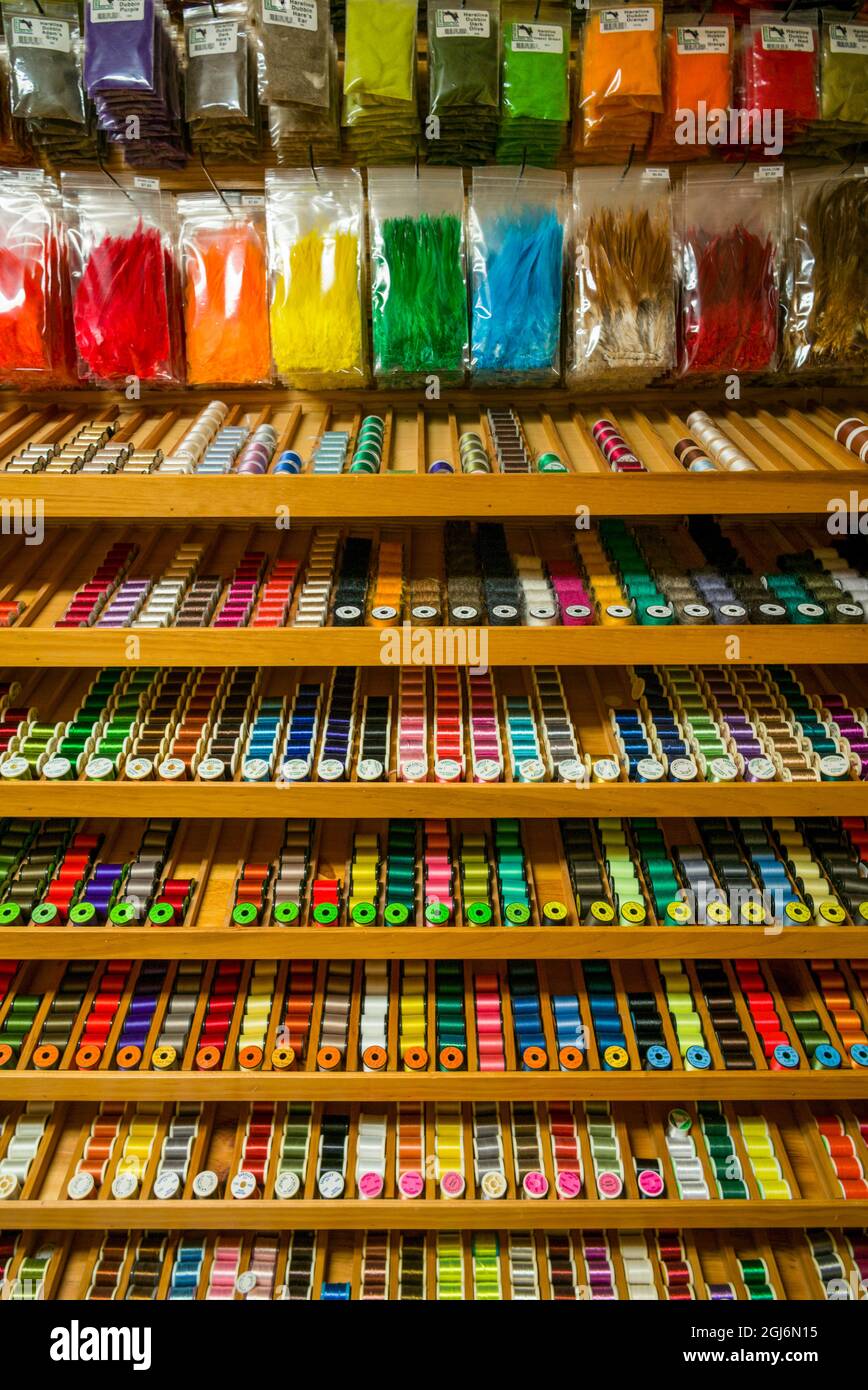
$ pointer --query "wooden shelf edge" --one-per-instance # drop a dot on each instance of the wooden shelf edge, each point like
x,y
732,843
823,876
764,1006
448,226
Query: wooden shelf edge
x,y
37,647
125,800
347,1087
430,943
472,1214
420,497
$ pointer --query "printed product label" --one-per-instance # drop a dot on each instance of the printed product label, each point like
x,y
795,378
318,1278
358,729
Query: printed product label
x,y
537,38
212,36
710,38
294,14
463,24
116,11
619,21
848,38
787,38
30,31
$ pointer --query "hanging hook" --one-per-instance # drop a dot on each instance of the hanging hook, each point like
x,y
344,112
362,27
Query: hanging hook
x,y
214,9
126,192
220,194
786,14
417,163
521,170
629,161
536,11
740,167
311,163
39,6
701,20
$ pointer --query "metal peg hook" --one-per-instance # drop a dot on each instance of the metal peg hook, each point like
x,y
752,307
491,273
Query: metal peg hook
x,y
126,192
311,163
220,194
629,163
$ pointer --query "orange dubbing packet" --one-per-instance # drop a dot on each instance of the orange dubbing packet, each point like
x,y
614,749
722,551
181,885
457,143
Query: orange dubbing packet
x,y
225,306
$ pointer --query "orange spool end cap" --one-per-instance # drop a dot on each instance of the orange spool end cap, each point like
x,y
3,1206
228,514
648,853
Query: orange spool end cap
x,y
250,1057
375,1057
415,1058
328,1058
571,1058
207,1058
46,1056
451,1058
88,1057
535,1058
129,1057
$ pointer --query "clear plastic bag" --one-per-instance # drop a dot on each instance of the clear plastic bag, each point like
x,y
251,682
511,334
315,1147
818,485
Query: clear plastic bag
x,y
315,257
781,67
45,57
463,81
418,291
620,82
826,279
844,66
223,261
699,73
35,333
295,38
125,296
380,114
729,258
221,89
535,106
131,71
516,229
623,292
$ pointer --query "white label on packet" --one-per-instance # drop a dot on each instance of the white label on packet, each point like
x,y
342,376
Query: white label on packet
x,y
848,38
787,38
657,173
31,175
768,171
463,24
30,31
705,38
150,185
537,38
212,37
116,11
294,14
619,21
252,200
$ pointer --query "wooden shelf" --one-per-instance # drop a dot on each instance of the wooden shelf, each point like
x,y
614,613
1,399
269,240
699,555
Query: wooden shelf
x,y
430,943
418,497
126,800
32,647
378,1087
472,1214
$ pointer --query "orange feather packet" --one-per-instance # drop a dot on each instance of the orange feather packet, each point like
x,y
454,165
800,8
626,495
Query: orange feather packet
x,y
35,327
224,269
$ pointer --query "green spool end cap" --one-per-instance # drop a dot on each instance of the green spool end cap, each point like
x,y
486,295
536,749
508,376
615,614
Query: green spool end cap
x,y
10,914
286,913
396,914
245,914
518,914
83,914
122,914
364,914
479,914
161,913
437,914
325,914
44,914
